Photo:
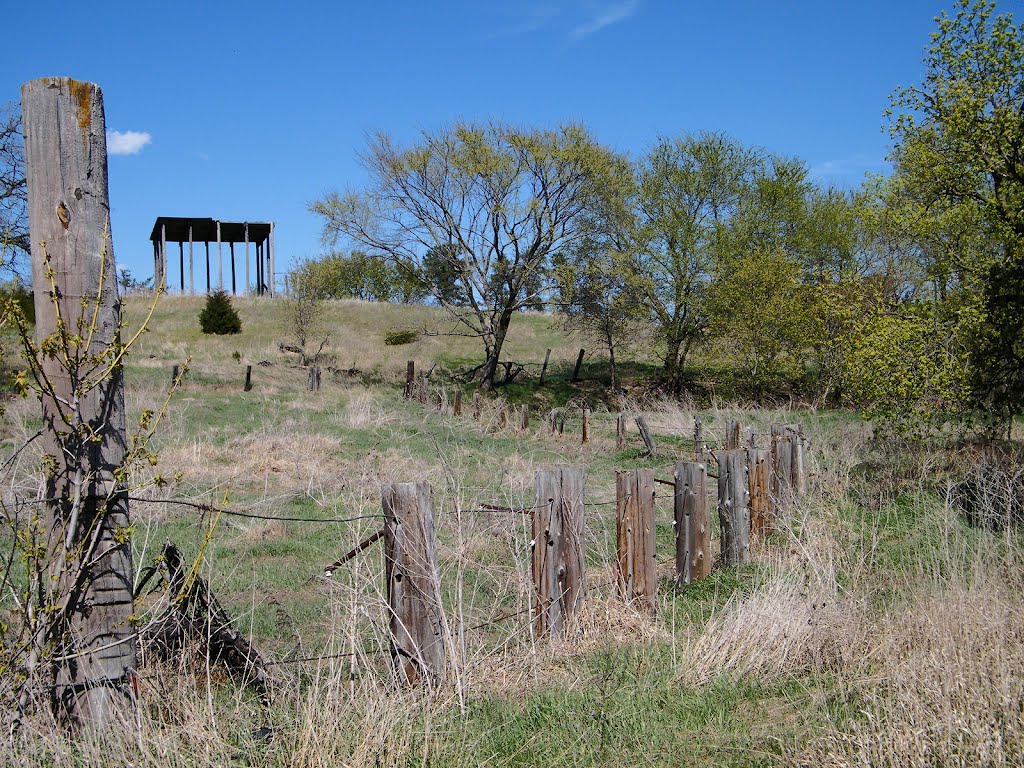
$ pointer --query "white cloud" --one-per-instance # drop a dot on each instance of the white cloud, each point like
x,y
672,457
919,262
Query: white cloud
x,y
127,142
613,15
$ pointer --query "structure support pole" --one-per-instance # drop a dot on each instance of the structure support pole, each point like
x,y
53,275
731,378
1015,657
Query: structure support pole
x,y
220,262
191,265
270,262
246,257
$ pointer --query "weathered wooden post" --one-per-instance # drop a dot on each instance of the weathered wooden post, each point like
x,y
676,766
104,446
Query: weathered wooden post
x,y
418,625
248,379
698,438
788,481
758,472
502,413
314,378
751,437
175,373
576,370
690,519
731,440
645,434
620,432
87,595
635,558
733,507
585,429
410,379
524,417
558,568
544,368
457,403
476,406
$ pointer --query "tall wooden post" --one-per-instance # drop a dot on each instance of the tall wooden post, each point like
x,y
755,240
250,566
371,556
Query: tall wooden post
x,y
544,368
270,262
161,282
758,463
181,264
620,432
788,481
693,534
733,507
635,558
208,285
88,591
191,264
418,625
558,568
234,284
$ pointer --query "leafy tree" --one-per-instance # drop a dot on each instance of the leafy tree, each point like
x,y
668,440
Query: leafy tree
x,y
762,308
960,144
601,298
353,276
218,316
687,189
489,202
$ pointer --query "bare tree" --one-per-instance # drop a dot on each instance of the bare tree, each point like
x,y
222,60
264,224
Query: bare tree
x,y
14,240
492,201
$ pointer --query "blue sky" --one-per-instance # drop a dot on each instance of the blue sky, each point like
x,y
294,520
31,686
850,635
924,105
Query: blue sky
x,y
249,111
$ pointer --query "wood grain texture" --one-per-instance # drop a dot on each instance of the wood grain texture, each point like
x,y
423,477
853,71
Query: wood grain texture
x,y
693,533
733,507
635,556
559,573
418,625
75,286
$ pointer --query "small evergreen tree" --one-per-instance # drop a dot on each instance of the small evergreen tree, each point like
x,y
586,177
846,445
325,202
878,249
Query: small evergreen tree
x,y
218,316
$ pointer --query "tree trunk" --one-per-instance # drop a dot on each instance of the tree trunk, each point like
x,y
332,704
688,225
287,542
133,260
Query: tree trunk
x,y
89,590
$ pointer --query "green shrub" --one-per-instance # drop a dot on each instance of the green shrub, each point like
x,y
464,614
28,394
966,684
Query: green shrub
x,y
218,316
397,338
21,298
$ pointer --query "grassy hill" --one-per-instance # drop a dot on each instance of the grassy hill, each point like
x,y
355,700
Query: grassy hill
x,y
874,627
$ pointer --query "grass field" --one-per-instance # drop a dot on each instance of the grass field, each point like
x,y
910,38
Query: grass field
x,y
875,627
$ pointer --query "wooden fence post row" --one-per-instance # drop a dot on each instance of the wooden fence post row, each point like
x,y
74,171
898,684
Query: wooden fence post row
x,y
418,625
558,568
635,558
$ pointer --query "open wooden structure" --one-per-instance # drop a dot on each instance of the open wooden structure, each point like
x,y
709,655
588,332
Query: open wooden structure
x,y
191,231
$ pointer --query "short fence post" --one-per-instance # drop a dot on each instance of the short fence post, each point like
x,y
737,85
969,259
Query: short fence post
x,y
502,414
751,437
457,403
175,373
645,433
732,435
758,462
476,406
524,417
417,621
410,379
576,370
248,379
558,569
698,438
314,379
586,426
693,534
733,507
635,557
620,432
544,368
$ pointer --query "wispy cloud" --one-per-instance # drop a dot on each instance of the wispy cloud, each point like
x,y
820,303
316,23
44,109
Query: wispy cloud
x,y
613,14
847,169
127,142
